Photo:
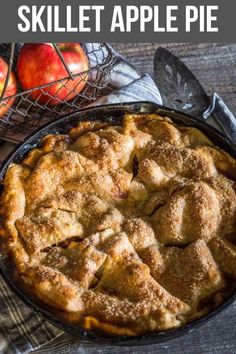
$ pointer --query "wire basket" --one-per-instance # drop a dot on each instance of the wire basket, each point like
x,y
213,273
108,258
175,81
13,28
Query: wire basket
x,y
26,113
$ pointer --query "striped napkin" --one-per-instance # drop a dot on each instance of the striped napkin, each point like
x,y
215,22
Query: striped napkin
x,y
21,329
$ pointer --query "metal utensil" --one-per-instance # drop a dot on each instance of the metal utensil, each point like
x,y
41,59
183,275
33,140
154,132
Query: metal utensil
x,y
181,90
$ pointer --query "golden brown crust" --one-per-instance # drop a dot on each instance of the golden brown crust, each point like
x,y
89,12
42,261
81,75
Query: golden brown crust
x,y
171,266
224,253
131,228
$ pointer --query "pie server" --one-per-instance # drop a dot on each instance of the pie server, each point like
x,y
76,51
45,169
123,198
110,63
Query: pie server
x,y
181,90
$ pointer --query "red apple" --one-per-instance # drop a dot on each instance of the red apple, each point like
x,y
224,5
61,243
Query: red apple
x,y
10,90
39,64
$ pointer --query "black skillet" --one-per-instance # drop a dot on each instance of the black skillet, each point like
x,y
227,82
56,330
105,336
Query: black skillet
x,y
111,113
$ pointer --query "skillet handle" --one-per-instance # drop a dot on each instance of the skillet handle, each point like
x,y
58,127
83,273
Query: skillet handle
x,y
222,116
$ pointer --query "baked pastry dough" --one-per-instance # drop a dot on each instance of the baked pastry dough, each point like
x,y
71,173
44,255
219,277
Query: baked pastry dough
x,y
128,229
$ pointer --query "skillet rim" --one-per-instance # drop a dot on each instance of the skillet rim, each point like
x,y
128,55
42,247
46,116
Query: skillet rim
x,y
122,108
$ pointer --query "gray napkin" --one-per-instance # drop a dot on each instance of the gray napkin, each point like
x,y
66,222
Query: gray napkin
x,y
21,329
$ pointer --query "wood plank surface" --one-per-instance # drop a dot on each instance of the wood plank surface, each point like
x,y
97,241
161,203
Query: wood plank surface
x,y
215,67
213,64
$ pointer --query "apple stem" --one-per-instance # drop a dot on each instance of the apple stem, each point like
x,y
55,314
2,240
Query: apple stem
x,y
63,61
8,71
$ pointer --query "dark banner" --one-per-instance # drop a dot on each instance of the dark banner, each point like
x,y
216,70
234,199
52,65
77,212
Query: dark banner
x,y
118,21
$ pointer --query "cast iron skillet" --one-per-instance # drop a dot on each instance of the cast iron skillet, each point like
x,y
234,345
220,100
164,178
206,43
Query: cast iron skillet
x,y
111,113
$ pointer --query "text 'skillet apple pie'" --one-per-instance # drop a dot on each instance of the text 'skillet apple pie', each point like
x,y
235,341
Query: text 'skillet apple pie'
x,y
129,229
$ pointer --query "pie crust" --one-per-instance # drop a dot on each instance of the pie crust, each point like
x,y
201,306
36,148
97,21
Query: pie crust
x,y
127,229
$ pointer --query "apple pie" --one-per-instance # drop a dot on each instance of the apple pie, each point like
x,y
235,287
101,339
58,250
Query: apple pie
x,y
128,229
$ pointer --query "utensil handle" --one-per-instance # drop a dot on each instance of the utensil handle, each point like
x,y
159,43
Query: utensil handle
x,y
223,117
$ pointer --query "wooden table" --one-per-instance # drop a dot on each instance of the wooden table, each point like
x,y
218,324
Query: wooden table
x,y
213,64
215,67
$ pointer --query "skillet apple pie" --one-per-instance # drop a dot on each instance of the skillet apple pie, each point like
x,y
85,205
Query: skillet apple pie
x,y
128,229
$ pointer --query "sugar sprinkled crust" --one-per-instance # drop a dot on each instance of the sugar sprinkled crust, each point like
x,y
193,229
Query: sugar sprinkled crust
x,y
130,228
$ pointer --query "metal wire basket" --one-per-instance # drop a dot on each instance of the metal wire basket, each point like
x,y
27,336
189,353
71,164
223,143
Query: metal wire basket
x,y
26,113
